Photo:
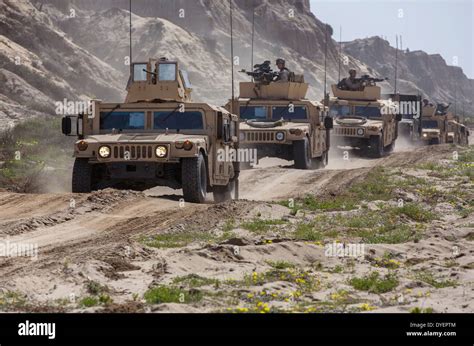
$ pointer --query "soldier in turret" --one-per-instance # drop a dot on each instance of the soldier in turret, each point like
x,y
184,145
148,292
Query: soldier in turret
x,y
284,75
350,83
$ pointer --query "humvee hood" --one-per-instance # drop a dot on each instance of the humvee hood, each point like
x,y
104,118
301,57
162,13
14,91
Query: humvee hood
x,y
146,138
353,121
431,130
284,126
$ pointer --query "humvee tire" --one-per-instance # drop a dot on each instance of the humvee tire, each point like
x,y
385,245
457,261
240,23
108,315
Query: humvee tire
x,y
224,193
82,176
301,154
389,148
194,179
376,146
321,162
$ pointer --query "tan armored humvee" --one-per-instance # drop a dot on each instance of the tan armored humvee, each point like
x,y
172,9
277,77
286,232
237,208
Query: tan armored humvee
x,y
457,132
363,120
434,126
277,121
158,137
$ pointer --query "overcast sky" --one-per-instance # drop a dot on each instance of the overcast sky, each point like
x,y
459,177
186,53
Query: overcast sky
x,y
435,26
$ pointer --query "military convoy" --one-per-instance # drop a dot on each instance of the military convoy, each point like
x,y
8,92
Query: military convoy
x,y
277,120
158,137
363,120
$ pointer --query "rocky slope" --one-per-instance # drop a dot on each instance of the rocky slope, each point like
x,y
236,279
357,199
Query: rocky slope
x,y
77,49
418,72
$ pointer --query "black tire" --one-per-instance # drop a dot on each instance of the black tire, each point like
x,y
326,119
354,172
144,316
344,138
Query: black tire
x,y
194,179
301,154
321,162
224,193
390,148
376,146
82,176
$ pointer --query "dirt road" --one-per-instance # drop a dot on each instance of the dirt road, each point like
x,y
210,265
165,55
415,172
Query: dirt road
x,y
97,237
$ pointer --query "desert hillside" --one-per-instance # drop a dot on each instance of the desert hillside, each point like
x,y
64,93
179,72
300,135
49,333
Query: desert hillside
x,y
80,47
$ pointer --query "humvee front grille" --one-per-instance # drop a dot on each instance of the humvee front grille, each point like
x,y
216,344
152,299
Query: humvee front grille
x,y
345,131
132,152
259,136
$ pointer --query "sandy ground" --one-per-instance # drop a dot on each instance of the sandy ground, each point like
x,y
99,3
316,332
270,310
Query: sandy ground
x,y
99,238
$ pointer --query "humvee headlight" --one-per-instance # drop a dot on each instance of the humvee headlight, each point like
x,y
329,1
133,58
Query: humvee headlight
x,y
104,152
360,132
425,135
161,151
280,136
188,145
82,146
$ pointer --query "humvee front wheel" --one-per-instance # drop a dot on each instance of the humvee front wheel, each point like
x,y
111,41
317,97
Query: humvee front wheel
x,y
301,154
224,193
376,146
322,162
194,179
82,176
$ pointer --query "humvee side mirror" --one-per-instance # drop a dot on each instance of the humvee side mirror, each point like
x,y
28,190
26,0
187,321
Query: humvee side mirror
x,y
66,126
70,128
227,136
328,123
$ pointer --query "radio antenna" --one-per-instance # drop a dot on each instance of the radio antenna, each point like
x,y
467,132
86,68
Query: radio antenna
x,y
340,54
253,35
396,64
232,52
131,65
325,58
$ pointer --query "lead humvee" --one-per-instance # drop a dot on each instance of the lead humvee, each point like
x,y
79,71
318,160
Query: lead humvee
x,y
363,120
278,121
158,137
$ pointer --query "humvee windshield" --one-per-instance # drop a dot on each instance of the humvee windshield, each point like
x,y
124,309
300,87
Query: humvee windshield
x,y
138,74
167,72
122,120
289,113
368,112
175,120
429,124
187,83
253,112
335,111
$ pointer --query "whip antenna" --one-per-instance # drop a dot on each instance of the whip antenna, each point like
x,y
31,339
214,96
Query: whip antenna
x,y
340,53
325,59
130,10
253,36
396,65
232,52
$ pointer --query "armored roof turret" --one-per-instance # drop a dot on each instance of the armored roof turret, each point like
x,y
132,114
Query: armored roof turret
x,y
158,80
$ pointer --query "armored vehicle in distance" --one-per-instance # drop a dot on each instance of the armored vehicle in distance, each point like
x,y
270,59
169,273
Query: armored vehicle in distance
x,y
363,120
278,121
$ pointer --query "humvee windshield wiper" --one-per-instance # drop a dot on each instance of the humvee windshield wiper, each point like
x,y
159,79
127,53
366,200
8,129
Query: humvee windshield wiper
x,y
170,114
283,110
109,113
